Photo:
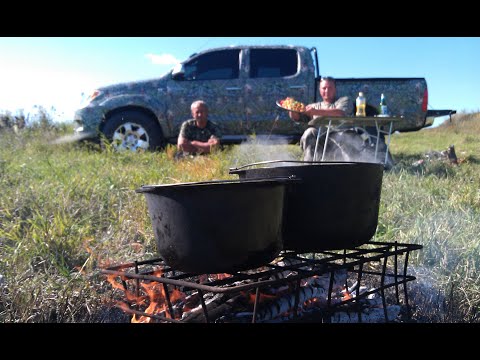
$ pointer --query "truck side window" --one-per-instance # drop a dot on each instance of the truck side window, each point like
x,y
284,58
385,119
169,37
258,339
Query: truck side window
x,y
215,65
273,63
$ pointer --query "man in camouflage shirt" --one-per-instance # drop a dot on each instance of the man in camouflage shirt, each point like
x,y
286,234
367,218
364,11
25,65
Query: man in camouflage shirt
x,y
198,135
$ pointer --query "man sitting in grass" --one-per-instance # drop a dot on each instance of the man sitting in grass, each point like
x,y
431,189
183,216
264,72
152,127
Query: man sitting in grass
x,y
198,135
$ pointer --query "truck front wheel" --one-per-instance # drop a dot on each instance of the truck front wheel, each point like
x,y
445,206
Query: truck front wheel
x,y
133,131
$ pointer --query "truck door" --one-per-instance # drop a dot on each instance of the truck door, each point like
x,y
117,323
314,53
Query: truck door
x,y
274,74
213,77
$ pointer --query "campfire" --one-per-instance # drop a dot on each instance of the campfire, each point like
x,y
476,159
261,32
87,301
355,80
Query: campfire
x,y
367,283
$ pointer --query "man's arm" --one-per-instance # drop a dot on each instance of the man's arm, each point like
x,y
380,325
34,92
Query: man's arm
x,y
195,146
298,117
310,112
183,144
343,107
214,140
205,147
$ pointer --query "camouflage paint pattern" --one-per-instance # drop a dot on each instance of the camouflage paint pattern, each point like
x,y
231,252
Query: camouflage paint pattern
x,y
246,106
404,97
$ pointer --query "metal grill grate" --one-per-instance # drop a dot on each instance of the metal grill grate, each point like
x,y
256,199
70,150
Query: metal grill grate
x,y
379,265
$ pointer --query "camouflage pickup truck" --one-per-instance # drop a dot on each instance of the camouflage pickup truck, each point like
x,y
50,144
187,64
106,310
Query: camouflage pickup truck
x,y
241,85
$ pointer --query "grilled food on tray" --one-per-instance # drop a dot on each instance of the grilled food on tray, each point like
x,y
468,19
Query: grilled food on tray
x,y
292,104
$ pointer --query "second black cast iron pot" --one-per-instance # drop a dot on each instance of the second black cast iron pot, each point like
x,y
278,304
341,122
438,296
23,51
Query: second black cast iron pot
x,y
334,207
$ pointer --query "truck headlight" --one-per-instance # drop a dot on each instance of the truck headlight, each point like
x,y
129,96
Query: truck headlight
x,y
77,126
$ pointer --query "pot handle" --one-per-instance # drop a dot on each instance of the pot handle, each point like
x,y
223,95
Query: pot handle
x,y
234,170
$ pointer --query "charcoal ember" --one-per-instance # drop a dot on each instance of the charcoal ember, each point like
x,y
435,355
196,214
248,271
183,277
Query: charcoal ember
x,y
217,306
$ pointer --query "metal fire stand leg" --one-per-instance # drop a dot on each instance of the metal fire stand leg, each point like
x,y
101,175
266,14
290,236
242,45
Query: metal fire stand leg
x,y
324,144
319,130
388,143
389,133
326,139
378,139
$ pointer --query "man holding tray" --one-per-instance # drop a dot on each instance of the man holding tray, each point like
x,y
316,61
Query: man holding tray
x,y
329,106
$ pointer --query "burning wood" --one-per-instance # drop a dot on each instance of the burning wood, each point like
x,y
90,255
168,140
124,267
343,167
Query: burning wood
x,y
276,304
289,289
219,305
288,302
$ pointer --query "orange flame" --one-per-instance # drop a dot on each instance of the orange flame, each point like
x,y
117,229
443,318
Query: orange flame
x,y
128,294
177,295
212,277
156,296
223,276
262,298
153,294
346,295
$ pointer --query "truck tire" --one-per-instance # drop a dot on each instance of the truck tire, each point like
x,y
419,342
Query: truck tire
x,y
133,131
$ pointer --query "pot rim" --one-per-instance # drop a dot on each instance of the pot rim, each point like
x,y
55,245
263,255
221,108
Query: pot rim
x,y
262,181
322,163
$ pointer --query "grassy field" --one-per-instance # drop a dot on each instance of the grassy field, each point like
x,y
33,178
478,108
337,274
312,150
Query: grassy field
x,y
67,210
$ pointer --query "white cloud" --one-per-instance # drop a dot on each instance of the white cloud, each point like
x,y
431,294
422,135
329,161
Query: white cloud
x,y
163,59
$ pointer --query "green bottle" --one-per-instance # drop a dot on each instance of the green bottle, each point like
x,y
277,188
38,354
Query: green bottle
x,y
383,109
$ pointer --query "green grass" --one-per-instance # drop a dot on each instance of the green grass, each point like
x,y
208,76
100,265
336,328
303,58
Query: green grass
x,y
67,210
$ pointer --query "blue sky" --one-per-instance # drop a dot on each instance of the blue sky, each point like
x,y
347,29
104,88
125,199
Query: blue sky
x,y
55,71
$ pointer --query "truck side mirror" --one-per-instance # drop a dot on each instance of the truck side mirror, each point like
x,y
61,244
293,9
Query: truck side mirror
x,y
178,72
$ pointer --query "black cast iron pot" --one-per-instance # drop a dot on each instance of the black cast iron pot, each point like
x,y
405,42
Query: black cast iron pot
x,y
334,207
217,226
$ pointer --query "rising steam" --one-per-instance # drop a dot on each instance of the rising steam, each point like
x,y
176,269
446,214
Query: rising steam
x,y
257,149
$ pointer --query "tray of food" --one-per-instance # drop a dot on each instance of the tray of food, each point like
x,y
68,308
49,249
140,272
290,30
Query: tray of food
x,y
290,104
